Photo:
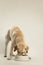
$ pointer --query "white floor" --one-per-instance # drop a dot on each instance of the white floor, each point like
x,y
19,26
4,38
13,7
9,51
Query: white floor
x,y
33,61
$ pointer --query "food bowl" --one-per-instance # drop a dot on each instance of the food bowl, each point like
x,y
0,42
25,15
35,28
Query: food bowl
x,y
21,58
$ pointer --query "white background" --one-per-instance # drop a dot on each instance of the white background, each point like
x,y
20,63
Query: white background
x,y
28,15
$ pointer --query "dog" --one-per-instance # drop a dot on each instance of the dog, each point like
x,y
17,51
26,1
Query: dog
x,y
16,36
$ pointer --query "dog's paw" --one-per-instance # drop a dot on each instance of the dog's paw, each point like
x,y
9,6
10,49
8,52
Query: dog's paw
x,y
9,58
5,56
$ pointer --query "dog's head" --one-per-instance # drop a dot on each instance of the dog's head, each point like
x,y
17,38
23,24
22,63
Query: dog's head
x,y
22,49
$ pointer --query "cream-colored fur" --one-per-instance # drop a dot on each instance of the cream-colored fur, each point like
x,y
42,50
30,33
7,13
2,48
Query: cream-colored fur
x,y
16,36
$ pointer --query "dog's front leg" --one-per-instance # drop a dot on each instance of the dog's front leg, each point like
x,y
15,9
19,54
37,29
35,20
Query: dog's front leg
x,y
6,44
11,51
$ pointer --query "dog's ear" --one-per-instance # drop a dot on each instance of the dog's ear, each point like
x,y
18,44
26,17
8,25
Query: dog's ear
x,y
15,48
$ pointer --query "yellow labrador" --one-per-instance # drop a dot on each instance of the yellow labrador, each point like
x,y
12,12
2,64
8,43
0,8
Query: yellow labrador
x,y
16,36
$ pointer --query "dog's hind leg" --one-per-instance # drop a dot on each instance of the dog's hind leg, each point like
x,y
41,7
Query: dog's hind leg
x,y
7,39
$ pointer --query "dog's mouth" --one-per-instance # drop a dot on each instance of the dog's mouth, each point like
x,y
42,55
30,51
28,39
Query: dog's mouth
x,y
21,53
